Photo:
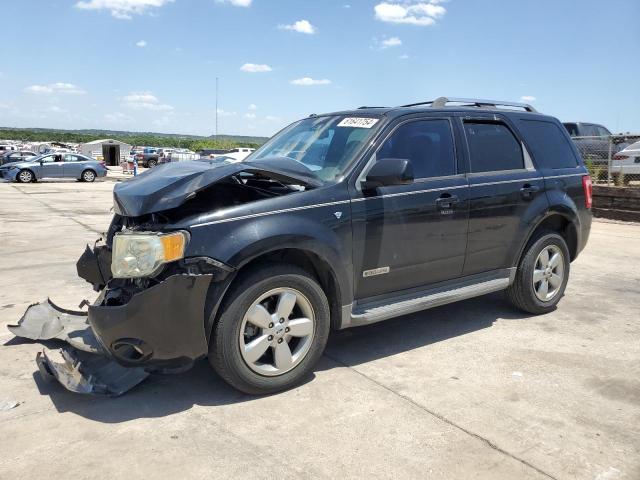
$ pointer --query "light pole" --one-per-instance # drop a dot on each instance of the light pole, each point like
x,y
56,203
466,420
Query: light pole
x,y
216,134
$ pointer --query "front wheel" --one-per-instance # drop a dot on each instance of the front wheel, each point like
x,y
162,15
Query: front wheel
x,y
25,176
542,274
272,330
151,163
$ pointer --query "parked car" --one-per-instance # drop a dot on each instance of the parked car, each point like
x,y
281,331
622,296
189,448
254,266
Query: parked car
x,y
7,147
340,220
593,141
239,154
627,163
149,158
11,156
56,165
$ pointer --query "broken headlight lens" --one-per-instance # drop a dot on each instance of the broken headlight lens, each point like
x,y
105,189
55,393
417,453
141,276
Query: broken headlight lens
x,y
142,254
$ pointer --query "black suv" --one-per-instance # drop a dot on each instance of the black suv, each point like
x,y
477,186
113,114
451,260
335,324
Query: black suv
x,y
339,220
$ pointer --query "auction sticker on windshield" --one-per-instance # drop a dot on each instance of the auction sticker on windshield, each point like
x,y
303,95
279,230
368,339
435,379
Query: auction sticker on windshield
x,y
358,122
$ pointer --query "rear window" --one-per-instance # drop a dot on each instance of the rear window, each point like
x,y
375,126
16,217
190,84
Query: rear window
x,y
549,146
493,147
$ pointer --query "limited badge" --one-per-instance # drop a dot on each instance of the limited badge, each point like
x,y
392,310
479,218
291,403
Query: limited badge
x,y
375,271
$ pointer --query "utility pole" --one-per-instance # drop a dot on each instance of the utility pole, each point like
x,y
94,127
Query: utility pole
x,y
216,134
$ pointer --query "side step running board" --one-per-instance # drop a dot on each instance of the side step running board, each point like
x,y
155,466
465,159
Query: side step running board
x,y
422,301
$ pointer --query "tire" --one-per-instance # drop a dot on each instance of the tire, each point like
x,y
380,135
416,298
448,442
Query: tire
x,y
25,176
152,163
233,331
527,294
88,176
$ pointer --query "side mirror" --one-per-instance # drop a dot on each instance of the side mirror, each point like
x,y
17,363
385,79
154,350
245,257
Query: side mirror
x,y
389,171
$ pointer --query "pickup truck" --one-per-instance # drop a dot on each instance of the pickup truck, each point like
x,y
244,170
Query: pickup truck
x,y
593,141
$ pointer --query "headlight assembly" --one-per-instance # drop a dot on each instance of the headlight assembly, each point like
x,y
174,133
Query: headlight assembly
x,y
142,254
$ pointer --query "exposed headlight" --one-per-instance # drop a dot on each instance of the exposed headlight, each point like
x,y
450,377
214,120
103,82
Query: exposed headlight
x,y
142,254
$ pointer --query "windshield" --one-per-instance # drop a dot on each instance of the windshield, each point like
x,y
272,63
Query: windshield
x,y
325,145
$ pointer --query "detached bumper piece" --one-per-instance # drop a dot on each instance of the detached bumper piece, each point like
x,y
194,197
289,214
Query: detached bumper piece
x,y
87,373
47,321
114,346
82,366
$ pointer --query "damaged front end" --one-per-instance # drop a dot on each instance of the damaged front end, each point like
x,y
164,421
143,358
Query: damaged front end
x,y
155,296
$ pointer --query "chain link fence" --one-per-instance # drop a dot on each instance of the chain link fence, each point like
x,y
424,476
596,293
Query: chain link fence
x,y
612,160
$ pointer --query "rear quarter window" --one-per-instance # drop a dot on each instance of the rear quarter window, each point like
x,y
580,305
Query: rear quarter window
x,y
548,144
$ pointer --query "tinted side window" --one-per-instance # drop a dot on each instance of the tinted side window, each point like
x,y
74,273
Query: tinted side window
x,y
493,147
572,128
548,144
427,143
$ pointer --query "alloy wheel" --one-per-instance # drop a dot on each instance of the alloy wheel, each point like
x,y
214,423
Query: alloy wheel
x,y
277,331
88,176
548,273
25,176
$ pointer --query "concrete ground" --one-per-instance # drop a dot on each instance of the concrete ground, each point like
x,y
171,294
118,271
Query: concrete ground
x,y
471,390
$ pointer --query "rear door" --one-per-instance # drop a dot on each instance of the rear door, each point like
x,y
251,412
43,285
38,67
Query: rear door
x,y
503,183
412,235
73,165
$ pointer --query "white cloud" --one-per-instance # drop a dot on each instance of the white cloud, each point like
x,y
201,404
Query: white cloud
x,y
223,113
387,42
57,109
412,12
301,26
250,116
272,118
255,68
122,9
253,106
141,43
118,118
145,101
308,81
527,98
58,87
404,56
236,3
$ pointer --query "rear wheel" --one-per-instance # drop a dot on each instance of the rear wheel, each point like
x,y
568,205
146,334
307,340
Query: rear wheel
x,y
152,163
272,330
88,176
25,176
542,274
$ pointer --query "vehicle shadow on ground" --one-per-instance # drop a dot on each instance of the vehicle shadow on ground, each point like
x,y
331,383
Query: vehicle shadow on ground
x,y
162,395
355,346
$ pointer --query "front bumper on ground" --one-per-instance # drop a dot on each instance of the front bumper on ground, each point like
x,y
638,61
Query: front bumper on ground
x,y
112,348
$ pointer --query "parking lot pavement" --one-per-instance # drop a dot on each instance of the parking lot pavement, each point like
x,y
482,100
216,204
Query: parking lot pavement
x,y
471,390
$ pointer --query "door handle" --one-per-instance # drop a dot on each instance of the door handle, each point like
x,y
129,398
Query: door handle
x,y
446,201
529,190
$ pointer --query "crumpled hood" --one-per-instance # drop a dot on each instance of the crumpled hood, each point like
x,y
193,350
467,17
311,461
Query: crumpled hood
x,y
169,186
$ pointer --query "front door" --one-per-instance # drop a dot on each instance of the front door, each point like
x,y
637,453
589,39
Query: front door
x,y
412,235
52,166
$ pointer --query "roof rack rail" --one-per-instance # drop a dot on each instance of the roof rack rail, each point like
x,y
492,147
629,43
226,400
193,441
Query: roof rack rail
x,y
367,107
472,102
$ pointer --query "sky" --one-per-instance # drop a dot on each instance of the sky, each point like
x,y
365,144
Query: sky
x,y
151,65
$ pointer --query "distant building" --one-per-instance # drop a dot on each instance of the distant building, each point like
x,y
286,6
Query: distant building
x,y
111,151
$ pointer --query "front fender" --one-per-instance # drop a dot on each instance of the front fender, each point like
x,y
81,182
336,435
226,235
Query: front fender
x,y
238,243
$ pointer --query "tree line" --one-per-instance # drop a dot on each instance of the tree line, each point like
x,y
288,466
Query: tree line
x,y
174,141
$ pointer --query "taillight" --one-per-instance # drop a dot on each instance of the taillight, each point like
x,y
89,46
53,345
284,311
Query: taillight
x,y
617,156
587,186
